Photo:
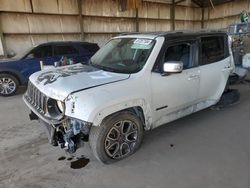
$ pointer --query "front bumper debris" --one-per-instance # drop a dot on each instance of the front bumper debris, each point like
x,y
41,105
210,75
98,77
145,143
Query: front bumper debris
x,y
64,131
69,135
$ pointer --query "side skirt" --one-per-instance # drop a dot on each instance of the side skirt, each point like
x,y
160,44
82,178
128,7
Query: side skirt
x,y
184,112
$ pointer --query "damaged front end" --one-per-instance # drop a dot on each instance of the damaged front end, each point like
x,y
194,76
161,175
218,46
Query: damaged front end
x,y
63,131
69,135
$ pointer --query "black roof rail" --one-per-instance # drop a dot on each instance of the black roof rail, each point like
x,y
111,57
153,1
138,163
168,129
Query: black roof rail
x,y
177,32
129,33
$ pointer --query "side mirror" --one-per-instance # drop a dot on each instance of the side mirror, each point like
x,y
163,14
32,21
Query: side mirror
x,y
173,67
11,54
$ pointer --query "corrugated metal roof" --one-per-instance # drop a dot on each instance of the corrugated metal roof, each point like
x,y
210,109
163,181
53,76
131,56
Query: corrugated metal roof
x,y
207,3
200,3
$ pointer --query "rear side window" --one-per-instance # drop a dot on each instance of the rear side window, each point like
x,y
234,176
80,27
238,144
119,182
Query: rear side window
x,y
92,48
213,49
65,50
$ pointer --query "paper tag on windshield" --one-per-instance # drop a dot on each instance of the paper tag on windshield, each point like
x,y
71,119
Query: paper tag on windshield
x,y
142,44
142,41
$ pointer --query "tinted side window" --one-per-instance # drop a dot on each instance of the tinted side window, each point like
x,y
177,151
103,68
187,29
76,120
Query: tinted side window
x,y
65,50
181,52
43,51
92,48
212,49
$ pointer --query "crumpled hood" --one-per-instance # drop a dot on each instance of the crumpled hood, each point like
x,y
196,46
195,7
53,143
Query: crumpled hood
x,y
58,83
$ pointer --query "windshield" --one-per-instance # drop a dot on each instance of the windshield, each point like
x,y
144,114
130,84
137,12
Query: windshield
x,y
123,55
25,53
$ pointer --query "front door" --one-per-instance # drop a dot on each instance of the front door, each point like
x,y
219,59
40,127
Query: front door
x,y
175,92
31,62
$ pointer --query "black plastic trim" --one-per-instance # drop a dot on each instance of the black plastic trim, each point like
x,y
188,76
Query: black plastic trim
x,y
160,108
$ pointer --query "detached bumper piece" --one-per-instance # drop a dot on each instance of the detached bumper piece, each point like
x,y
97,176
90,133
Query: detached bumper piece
x,y
69,135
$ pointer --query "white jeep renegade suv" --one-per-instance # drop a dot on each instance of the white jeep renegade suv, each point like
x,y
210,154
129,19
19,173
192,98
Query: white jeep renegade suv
x,y
136,82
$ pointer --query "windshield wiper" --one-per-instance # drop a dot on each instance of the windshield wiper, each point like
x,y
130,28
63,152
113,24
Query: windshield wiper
x,y
109,69
86,63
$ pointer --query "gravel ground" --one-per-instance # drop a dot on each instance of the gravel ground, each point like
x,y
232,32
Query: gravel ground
x,y
209,149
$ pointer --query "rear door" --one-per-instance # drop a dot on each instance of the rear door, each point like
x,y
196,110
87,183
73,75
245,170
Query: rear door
x,y
215,66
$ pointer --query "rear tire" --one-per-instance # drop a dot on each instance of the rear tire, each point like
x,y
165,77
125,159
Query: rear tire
x,y
228,98
118,137
8,85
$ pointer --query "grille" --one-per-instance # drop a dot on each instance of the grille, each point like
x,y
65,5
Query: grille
x,y
36,98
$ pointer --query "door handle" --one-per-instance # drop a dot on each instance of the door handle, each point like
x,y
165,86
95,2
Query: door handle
x,y
227,66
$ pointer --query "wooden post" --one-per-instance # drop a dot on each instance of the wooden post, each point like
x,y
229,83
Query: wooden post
x,y
2,40
136,20
79,4
31,6
202,17
172,15
208,16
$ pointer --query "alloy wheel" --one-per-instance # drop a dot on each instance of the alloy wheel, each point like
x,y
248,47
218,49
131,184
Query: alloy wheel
x,y
7,86
121,139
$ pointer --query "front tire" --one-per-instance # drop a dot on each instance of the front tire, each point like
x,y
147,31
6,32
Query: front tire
x,y
8,85
118,137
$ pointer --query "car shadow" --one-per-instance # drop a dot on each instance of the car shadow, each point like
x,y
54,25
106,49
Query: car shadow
x,y
21,90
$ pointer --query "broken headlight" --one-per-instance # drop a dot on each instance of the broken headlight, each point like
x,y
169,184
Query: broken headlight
x,y
61,106
55,108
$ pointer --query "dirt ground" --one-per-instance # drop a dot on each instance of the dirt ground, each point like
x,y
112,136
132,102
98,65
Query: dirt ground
x,y
209,149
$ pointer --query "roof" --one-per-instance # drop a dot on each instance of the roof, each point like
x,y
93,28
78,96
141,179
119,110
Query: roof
x,y
207,3
66,42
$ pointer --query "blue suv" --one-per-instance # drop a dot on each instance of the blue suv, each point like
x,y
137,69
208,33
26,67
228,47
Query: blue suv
x,y
16,72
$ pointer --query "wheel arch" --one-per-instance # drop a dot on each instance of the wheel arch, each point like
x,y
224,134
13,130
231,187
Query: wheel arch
x,y
136,110
12,74
140,109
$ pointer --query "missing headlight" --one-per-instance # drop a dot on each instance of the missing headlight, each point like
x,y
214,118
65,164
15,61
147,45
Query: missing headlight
x,y
55,108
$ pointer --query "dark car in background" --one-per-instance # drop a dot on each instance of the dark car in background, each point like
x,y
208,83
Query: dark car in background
x,y
16,72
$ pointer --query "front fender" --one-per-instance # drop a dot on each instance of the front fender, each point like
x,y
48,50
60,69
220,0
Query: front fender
x,y
94,111
100,114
